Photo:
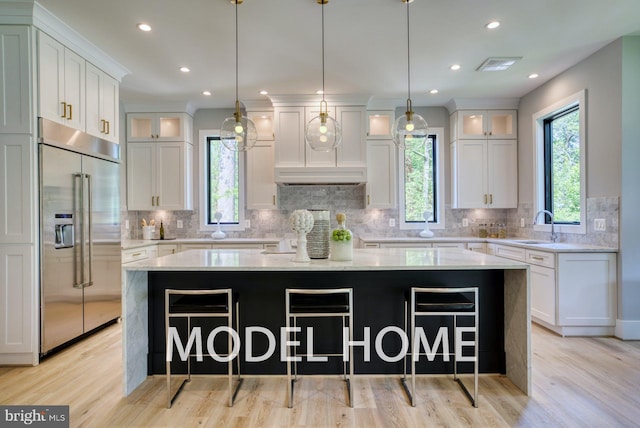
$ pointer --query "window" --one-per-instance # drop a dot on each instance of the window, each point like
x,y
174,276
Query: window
x,y
421,182
222,189
560,164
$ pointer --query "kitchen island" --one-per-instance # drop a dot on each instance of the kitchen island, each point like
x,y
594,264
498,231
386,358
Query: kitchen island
x,y
380,279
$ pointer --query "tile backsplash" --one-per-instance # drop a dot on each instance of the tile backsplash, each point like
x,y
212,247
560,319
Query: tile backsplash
x,y
350,199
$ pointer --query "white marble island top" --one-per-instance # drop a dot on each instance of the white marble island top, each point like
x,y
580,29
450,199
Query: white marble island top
x,y
363,259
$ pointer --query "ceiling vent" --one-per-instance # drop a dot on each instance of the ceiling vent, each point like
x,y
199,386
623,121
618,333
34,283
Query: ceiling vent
x,y
498,63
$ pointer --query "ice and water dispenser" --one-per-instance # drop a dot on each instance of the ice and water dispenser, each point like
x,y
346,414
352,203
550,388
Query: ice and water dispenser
x,y
64,230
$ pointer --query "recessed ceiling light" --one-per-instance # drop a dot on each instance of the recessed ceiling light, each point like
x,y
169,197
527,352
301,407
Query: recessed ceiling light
x,y
319,92
533,76
433,91
493,24
144,27
455,67
263,92
185,69
207,93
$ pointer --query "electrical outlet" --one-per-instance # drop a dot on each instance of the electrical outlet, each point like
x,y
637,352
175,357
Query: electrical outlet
x,y
247,224
179,224
465,222
392,222
126,224
521,221
600,225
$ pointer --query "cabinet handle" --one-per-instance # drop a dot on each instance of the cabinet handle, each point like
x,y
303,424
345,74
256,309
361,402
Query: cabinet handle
x,y
108,127
136,254
368,199
64,109
158,201
491,198
485,199
274,199
537,258
490,133
103,122
152,201
70,111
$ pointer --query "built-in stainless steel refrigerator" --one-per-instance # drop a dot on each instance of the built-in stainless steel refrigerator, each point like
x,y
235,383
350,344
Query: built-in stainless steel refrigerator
x,y
80,234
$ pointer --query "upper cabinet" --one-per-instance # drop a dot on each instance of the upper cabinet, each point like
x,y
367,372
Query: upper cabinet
x,y
62,83
382,173
102,104
76,93
379,123
484,159
296,162
483,124
264,124
159,127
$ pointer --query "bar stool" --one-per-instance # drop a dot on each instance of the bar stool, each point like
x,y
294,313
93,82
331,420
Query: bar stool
x,y
319,303
201,304
453,302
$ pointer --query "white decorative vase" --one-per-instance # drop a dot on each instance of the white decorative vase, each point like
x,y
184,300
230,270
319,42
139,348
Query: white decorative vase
x,y
426,233
301,222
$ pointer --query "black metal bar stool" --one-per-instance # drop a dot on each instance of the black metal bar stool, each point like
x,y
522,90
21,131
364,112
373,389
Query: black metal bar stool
x,y
455,302
201,304
319,303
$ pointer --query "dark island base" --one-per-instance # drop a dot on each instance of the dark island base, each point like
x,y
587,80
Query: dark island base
x,y
378,302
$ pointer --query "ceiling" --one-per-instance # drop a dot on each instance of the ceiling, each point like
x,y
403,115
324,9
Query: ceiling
x,y
365,46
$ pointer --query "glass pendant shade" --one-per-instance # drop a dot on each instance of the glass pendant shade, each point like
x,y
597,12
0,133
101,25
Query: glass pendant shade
x,y
323,133
409,126
238,133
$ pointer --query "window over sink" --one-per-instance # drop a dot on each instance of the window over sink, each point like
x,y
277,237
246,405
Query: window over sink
x,y
222,187
421,183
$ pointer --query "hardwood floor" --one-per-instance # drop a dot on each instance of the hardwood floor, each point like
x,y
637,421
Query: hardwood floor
x,y
577,382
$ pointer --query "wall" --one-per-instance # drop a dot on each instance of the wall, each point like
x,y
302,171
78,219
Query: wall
x,y
629,269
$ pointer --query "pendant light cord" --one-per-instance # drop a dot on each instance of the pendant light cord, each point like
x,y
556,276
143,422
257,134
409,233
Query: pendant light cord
x,y
236,3
322,50
408,57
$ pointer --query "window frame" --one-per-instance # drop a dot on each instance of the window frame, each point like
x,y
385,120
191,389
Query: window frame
x,y
540,160
203,136
439,188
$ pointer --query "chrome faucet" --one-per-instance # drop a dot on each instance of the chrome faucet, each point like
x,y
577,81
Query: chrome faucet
x,y
554,236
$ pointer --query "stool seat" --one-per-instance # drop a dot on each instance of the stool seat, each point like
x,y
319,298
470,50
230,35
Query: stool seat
x,y
443,302
202,304
319,303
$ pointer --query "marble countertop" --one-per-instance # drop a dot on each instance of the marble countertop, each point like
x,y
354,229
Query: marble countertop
x,y
137,243
531,244
363,259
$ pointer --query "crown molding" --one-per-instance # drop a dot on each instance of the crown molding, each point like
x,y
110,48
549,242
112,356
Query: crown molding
x,y
482,104
313,100
158,108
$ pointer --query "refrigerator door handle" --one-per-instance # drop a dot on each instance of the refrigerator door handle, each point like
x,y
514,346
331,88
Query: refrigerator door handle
x,y
89,229
78,206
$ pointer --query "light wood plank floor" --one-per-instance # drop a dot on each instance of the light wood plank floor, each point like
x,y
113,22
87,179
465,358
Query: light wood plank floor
x,y
577,382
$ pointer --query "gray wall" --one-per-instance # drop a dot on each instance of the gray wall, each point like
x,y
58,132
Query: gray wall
x,y
600,75
629,295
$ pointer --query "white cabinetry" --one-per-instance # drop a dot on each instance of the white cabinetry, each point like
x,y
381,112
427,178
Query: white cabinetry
x,y
261,185
381,174
478,247
62,83
484,159
165,250
159,127
379,123
102,104
295,162
573,294
484,174
140,253
16,113
17,211
159,176
482,124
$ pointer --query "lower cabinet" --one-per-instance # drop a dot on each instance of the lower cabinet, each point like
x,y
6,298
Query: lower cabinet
x,y
543,294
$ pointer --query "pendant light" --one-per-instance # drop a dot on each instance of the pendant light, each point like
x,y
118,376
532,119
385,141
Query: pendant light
x,y
323,133
410,125
238,133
